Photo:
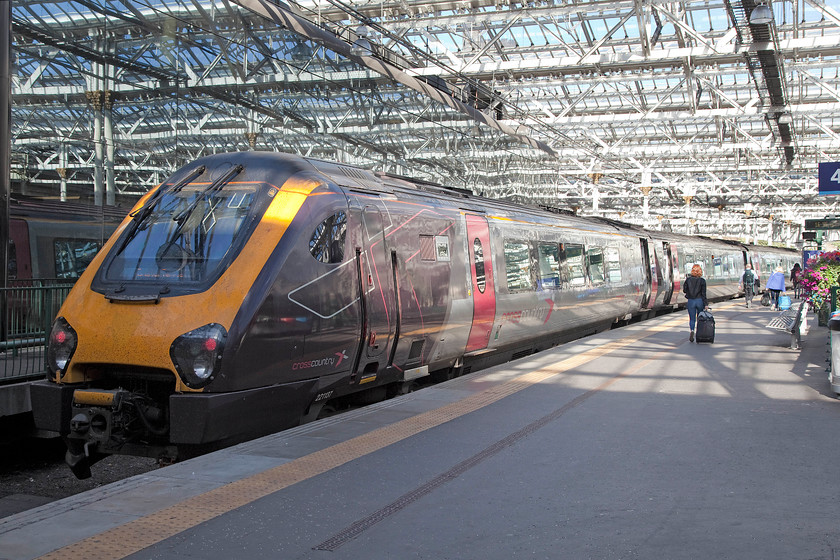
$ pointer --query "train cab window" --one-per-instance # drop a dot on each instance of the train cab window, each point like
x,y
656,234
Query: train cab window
x,y
480,273
72,256
595,264
11,267
549,263
573,260
613,265
327,241
717,265
518,266
186,236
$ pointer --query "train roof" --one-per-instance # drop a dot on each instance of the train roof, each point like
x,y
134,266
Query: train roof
x,y
769,249
394,183
22,206
390,184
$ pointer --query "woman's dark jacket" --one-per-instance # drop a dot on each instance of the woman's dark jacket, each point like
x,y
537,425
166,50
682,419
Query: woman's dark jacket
x,y
695,287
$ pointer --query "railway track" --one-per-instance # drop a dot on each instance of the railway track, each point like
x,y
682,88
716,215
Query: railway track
x,y
33,473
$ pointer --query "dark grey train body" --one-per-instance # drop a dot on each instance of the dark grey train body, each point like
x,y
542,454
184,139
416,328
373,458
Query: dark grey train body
x,y
252,289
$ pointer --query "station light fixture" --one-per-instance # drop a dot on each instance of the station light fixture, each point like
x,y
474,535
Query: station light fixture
x,y
761,14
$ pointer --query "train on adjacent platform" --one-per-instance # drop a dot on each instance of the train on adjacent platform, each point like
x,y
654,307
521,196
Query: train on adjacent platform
x,y
53,242
250,290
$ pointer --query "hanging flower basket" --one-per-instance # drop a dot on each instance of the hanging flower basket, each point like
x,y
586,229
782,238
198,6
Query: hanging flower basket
x,y
820,275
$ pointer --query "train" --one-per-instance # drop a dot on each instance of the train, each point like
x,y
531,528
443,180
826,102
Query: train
x,y
49,244
52,241
252,291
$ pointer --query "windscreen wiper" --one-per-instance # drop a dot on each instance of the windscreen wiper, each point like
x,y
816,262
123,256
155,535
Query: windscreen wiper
x,y
211,189
181,218
141,214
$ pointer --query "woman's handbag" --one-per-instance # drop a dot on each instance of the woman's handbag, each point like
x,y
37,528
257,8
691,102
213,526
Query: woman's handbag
x,y
765,299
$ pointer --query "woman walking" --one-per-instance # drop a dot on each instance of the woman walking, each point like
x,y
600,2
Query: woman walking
x,y
776,285
795,278
694,289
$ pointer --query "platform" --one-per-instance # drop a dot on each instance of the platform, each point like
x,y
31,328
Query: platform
x,y
631,444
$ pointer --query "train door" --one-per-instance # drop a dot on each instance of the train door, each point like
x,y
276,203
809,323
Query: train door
x,y
376,278
20,258
675,272
650,279
483,286
668,272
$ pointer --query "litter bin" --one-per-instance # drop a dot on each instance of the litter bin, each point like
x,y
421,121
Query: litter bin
x,y
834,337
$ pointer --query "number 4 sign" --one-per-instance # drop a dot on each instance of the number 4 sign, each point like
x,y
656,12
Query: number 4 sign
x,y
829,178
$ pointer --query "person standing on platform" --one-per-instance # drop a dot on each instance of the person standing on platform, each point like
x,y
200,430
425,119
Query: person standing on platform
x,y
795,278
776,285
694,289
747,284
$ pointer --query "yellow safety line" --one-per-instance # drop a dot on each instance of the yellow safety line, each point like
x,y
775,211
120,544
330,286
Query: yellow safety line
x,y
136,535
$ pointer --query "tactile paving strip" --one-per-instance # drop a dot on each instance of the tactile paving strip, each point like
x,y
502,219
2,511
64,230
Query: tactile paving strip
x,y
136,535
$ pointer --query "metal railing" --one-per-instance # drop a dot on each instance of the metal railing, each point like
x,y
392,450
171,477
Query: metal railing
x,y
26,314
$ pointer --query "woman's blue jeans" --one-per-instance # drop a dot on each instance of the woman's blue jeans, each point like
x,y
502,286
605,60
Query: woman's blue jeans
x,y
694,306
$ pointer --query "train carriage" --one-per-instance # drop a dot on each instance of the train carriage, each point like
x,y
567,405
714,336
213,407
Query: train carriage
x,y
765,260
251,290
56,241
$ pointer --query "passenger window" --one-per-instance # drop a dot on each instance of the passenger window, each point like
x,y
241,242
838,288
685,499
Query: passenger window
x,y
518,266
549,260
573,254
12,268
327,242
72,256
595,264
613,265
480,273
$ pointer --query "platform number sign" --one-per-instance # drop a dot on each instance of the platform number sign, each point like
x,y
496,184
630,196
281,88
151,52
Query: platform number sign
x,y
829,178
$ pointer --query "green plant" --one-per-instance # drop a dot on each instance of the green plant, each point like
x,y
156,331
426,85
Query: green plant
x,y
820,275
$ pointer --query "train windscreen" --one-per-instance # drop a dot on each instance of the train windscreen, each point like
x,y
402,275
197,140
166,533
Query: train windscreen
x,y
185,235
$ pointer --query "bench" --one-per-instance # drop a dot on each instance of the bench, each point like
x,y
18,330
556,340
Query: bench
x,y
792,321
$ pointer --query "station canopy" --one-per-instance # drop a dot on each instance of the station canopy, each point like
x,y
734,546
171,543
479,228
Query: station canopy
x,y
701,116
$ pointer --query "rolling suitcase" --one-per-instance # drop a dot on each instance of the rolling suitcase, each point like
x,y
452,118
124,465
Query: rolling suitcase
x,y
705,327
784,302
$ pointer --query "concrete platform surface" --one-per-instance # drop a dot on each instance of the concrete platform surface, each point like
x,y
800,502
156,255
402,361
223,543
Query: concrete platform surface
x,y
630,444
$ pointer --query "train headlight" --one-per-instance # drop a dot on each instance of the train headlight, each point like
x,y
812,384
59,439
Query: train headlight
x,y
62,345
198,354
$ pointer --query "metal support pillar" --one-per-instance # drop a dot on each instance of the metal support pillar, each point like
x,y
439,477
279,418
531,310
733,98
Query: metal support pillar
x,y
687,200
5,136
5,148
109,148
646,188
62,171
98,150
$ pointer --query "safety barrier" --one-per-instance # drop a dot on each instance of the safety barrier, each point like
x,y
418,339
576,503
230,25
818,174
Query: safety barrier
x,y
26,314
